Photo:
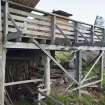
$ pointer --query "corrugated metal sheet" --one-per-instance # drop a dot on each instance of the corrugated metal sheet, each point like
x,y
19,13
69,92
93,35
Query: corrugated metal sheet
x,y
31,3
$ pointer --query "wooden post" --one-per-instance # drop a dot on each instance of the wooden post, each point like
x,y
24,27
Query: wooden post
x,y
53,28
3,54
0,18
75,33
2,74
78,67
104,37
92,35
5,21
47,74
101,69
0,24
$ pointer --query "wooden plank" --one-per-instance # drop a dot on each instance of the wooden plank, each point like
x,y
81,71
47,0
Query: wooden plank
x,y
101,69
53,29
0,19
22,45
39,22
78,65
64,23
30,26
27,14
36,22
30,21
86,85
0,24
30,3
33,30
33,15
36,27
5,30
2,73
36,33
76,33
3,55
47,74
22,82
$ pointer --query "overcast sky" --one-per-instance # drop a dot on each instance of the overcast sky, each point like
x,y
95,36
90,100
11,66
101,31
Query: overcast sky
x,y
83,10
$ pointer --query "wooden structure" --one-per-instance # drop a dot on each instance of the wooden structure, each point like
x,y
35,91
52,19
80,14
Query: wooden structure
x,y
22,30
30,3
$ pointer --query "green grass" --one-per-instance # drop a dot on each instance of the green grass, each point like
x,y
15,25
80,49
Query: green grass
x,y
63,57
103,83
87,100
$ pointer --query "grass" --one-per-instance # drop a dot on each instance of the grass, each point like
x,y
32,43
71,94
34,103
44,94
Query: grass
x,y
103,83
83,100
63,57
87,100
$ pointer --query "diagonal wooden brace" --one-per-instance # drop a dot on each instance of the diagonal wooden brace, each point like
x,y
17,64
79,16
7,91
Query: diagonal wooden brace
x,y
59,65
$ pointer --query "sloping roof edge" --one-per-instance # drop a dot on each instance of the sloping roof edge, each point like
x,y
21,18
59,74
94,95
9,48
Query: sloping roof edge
x,y
29,3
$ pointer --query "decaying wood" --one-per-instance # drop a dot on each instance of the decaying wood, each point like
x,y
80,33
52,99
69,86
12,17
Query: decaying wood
x,y
41,26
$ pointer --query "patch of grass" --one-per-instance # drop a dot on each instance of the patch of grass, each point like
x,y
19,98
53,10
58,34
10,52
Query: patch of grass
x,y
84,100
103,83
102,100
63,57
23,102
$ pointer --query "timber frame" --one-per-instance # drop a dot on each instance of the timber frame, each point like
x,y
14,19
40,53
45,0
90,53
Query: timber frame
x,y
47,34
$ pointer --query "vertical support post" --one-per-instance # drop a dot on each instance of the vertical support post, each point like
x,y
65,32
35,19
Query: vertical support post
x,y
92,35
2,74
53,28
75,33
47,75
103,37
0,24
0,18
101,69
3,53
78,69
5,21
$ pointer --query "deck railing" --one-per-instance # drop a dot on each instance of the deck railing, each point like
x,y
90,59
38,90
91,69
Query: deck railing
x,y
51,26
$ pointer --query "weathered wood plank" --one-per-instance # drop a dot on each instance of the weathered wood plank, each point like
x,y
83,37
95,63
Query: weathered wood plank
x,y
0,18
47,73
18,12
22,82
40,26
22,45
2,73
37,22
53,29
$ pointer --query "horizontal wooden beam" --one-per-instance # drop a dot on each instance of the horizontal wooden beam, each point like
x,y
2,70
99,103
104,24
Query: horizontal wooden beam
x,y
21,45
22,82
86,85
